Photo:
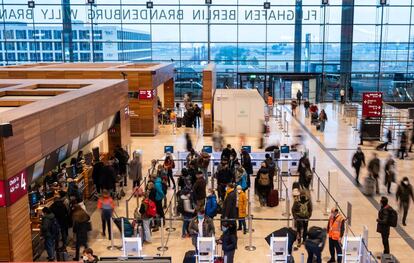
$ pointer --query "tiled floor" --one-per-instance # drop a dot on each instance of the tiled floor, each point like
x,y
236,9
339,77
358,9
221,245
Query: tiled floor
x,y
332,150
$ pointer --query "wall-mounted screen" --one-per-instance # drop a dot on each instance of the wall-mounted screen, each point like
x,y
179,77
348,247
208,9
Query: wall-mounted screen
x,y
38,169
75,145
62,152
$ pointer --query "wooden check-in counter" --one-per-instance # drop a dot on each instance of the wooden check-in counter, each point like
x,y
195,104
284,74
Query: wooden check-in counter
x,y
44,122
144,79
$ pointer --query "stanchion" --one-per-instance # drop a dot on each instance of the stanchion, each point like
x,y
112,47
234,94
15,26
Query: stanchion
x,y
287,129
327,194
280,187
287,210
175,203
250,247
170,228
302,258
318,199
127,208
162,247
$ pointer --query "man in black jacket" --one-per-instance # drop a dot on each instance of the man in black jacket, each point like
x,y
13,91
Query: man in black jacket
x,y
383,226
199,190
357,161
374,169
224,177
61,212
230,203
403,195
123,157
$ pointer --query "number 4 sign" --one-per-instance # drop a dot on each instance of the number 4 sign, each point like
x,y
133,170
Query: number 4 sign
x,y
16,187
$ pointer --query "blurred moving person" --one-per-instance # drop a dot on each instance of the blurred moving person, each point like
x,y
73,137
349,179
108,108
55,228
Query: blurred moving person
x,y
358,160
403,195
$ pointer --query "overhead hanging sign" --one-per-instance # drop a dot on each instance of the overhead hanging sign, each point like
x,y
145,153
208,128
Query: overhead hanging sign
x,y
372,104
146,94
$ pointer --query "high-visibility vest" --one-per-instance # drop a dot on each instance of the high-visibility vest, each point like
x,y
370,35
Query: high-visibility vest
x,y
270,100
334,228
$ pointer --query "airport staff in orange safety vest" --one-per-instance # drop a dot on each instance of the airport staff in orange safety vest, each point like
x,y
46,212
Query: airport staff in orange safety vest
x,y
269,100
335,232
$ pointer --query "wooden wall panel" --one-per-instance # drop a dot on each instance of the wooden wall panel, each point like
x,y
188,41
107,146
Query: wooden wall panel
x,y
20,234
169,94
4,239
209,85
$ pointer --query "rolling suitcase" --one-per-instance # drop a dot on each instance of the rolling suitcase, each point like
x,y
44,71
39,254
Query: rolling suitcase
x,y
369,186
189,257
273,198
381,146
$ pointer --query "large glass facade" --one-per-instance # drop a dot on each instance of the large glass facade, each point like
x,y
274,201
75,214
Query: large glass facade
x,y
240,36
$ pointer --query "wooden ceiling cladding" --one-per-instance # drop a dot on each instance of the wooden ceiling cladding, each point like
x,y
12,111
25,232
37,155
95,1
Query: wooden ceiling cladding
x,y
45,125
141,76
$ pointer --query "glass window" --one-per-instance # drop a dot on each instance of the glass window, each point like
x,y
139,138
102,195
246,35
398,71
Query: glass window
x,y
21,46
84,46
58,57
47,46
10,46
21,34
58,46
47,56
57,34
11,57
46,34
9,34
22,57
85,57
34,46
84,34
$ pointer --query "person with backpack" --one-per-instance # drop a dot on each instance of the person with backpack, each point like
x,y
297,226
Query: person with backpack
x,y
387,218
335,229
263,184
230,204
302,211
185,208
148,211
106,205
169,165
50,232
211,204
81,227
323,118
305,172
242,205
224,177
271,166
61,212
306,104
203,164
358,159
403,195
374,169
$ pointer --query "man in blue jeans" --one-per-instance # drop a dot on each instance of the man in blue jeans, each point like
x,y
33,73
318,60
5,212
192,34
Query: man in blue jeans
x,y
50,232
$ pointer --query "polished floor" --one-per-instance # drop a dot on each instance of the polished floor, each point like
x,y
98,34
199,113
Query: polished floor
x,y
332,151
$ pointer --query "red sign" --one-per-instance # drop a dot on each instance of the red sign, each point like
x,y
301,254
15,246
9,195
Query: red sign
x,y
16,187
146,94
372,104
2,194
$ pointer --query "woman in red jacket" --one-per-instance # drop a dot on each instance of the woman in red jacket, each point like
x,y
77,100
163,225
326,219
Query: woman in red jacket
x,y
169,166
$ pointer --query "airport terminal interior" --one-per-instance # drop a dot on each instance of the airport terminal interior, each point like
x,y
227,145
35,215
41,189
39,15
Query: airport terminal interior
x,y
211,131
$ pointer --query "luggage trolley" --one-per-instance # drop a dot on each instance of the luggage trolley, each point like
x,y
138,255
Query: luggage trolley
x,y
352,252
279,249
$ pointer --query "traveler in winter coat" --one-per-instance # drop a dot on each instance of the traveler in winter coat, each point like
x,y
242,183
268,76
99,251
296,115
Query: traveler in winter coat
x,y
383,226
271,166
203,164
146,219
199,191
201,226
403,145
229,241
81,227
135,169
108,176
374,169
302,211
224,177
50,232
246,162
323,118
240,176
230,203
107,205
187,214
61,212
357,161
263,184
211,204
168,167
159,196
403,195
389,170
305,172
242,205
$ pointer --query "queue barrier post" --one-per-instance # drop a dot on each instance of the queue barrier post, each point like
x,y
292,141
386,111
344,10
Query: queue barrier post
x,y
127,208
287,210
162,247
302,258
175,203
281,187
170,228
318,199
250,247
327,194
287,129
